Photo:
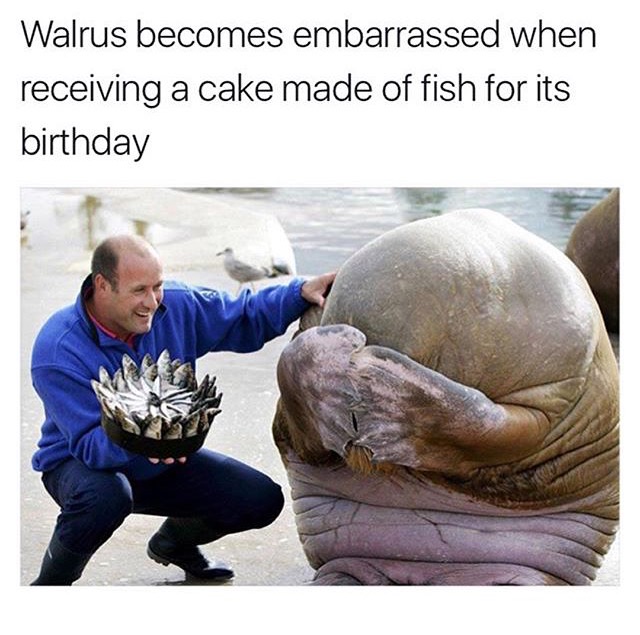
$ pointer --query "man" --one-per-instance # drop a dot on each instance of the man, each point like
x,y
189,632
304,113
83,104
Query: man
x,y
125,306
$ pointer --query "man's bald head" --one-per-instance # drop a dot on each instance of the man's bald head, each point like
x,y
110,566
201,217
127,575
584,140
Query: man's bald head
x,y
127,285
109,252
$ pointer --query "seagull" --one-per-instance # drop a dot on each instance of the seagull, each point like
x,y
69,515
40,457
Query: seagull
x,y
245,273
279,268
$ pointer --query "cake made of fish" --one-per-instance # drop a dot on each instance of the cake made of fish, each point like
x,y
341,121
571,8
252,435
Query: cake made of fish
x,y
157,409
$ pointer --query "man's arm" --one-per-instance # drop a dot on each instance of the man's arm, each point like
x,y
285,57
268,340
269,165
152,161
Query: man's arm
x,y
220,322
71,406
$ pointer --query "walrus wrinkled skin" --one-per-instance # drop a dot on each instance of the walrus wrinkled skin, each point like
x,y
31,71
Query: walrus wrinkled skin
x,y
453,418
594,246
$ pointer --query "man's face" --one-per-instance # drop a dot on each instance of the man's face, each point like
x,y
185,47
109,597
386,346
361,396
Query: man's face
x,y
130,307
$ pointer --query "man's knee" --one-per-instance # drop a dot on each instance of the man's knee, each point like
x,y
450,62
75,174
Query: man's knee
x,y
269,506
107,496
277,502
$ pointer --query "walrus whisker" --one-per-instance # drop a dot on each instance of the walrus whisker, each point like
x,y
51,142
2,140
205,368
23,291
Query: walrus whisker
x,y
360,459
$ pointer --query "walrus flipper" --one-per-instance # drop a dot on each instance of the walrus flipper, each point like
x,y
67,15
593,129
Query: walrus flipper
x,y
374,402
414,416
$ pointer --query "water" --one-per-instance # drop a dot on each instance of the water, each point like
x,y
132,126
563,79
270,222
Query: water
x,y
325,225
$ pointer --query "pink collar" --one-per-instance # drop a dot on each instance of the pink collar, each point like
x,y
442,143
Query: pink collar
x,y
129,340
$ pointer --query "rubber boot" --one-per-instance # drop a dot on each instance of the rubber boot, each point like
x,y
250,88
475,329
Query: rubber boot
x,y
187,532
60,566
176,543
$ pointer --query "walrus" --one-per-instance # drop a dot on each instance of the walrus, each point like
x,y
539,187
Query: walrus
x,y
594,246
452,416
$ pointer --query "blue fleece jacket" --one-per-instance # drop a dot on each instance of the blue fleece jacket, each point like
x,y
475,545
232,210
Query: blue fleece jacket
x,y
190,322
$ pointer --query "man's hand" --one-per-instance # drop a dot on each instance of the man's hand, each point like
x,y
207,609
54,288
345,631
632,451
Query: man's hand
x,y
169,461
314,290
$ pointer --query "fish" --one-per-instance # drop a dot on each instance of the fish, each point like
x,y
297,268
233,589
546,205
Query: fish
x,y
183,376
165,370
174,431
153,429
159,399
118,381
103,375
190,425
